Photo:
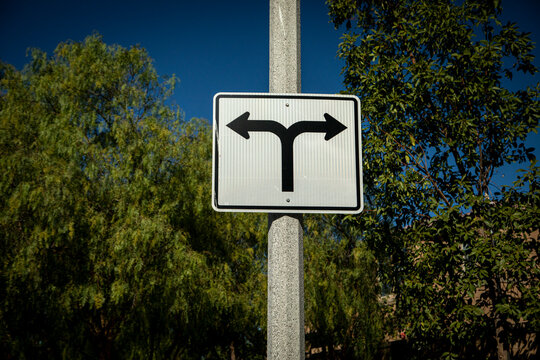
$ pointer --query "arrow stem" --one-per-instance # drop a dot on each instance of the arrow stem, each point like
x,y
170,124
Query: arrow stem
x,y
287,160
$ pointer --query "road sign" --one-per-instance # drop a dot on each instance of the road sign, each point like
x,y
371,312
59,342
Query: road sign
x,y
295,153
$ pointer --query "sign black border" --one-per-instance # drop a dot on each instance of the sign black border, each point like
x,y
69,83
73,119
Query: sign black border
x,y
263,209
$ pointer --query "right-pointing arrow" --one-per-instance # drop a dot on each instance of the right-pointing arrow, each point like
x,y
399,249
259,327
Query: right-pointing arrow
x,y
333,127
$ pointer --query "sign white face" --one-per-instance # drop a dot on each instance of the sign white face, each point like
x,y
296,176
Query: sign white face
x,y
288,153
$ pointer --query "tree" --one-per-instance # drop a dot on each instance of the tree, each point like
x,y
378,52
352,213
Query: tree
x,y
440,123
343,315
108,245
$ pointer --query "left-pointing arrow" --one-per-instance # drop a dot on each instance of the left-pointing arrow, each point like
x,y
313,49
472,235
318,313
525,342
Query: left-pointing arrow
x,y
242,126
239,125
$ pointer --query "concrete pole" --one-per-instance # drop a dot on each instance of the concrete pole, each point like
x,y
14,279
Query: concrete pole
x,y
285,46
285,234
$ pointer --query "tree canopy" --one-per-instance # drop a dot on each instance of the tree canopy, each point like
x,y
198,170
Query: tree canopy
x,y
460,253
343,314
108,245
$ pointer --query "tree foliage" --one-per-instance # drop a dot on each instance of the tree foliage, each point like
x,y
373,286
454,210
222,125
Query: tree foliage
x,y
343,315
439,124
472,282
108,245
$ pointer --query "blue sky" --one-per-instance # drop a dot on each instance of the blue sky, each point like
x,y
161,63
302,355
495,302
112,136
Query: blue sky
x,y
210,45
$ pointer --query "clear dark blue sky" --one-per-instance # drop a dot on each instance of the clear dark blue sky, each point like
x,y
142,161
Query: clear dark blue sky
x,y
210,45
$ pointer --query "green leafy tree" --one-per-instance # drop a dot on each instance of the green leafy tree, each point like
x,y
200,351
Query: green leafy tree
x,y
343,315
108,245
461,255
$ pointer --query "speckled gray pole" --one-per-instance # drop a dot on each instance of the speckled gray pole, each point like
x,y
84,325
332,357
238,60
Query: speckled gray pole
x,y
285,46
285,235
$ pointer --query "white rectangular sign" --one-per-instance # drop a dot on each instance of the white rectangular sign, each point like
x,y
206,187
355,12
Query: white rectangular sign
x,y
289,153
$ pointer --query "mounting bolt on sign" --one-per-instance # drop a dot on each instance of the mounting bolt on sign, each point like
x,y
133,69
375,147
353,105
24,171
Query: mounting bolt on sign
x,y
304,148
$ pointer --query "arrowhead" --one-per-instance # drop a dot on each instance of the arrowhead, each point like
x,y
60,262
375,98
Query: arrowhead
x,y
240,125
333,127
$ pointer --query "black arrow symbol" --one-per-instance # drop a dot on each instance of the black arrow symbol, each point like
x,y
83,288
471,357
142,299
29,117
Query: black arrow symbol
x,y
242,126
